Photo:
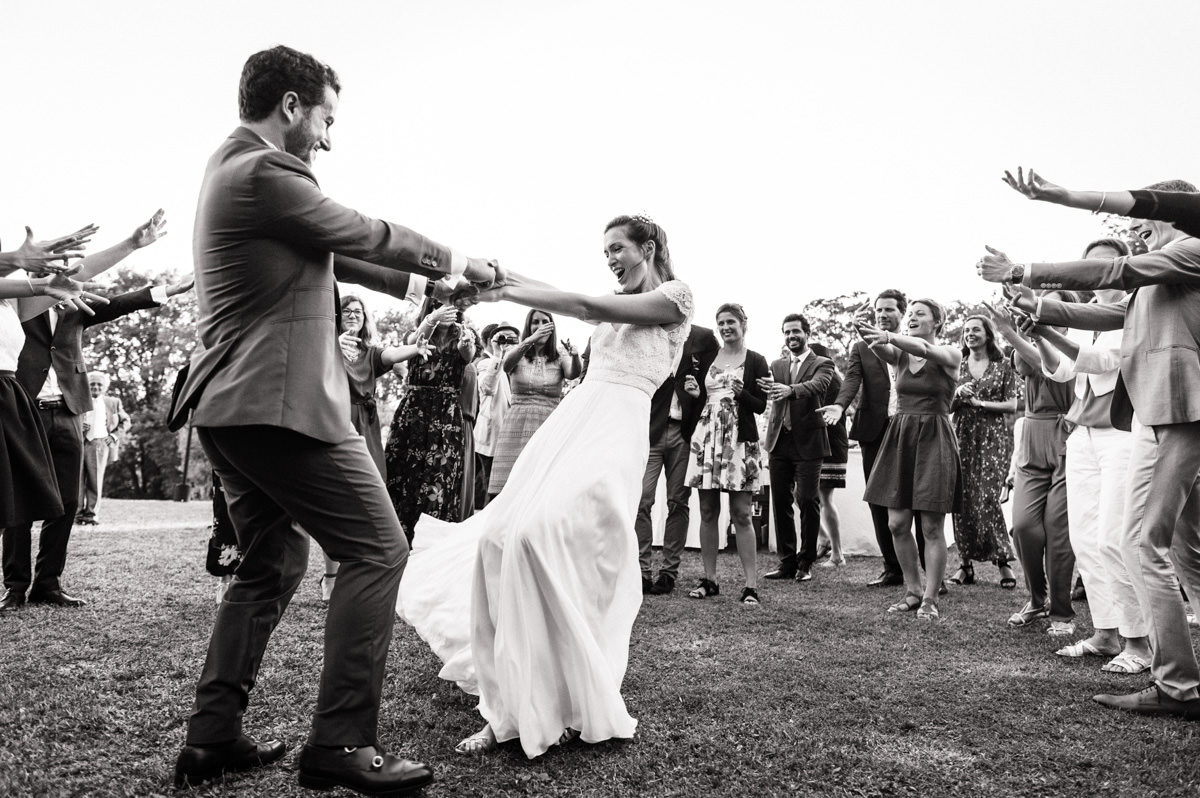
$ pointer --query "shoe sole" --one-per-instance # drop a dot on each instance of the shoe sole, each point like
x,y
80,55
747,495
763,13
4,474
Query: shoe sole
x,y
313,782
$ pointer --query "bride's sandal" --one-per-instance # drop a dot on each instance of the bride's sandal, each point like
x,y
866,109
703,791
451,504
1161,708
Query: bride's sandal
x,y
478,743
568,735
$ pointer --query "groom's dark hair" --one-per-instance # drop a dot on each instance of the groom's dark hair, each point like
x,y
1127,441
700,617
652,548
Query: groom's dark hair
x,y
269,74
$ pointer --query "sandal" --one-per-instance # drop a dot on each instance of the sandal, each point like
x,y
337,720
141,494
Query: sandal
x,y
705,588
1126,663
910,602
1007,582
567,736
750,597
928,611
1081,649
480,742
965,575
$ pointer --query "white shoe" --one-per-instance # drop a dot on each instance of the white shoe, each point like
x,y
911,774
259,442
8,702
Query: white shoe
x,y
327,582
832,563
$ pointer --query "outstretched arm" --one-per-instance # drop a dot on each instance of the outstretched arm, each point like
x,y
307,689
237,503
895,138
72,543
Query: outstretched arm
x,y
41,257
145,235
648,308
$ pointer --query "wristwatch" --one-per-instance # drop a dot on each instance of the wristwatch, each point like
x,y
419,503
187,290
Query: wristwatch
x,y
1017,273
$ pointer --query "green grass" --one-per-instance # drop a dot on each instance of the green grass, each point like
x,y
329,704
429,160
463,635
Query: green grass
x,y
817,692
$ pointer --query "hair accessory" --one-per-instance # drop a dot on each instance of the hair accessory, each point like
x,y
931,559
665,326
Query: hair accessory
x,y
644,218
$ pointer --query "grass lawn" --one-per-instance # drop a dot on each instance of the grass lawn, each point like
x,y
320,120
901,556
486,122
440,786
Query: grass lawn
x,y
817,692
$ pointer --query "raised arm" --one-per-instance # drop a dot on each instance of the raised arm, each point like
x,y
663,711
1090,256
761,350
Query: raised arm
x,y
42,257
145,235
652,307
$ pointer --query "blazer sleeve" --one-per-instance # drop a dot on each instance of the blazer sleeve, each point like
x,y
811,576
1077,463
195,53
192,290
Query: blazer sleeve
x,y
121,305
853,380
294,209
818,383
1091,316
753,397
1177,264
368,275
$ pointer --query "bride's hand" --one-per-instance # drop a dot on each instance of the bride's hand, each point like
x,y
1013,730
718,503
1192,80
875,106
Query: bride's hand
x,y
492,295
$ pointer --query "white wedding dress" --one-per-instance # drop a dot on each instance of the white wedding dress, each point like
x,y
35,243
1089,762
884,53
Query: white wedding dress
x,y
530,602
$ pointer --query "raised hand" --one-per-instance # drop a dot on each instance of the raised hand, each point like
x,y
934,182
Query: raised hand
x,y
42,257
832,414
1034,186
484,273
541,333
995,267
1020,297
71,294
181,287
422,345
571,350
149,232
443,315
871,334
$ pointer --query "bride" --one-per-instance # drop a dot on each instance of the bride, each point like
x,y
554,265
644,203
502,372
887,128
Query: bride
x,y
541,631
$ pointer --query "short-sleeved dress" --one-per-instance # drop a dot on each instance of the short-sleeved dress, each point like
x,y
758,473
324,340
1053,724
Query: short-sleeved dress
x,y
719,461
28,487
364,414
985,448
917,467
537,388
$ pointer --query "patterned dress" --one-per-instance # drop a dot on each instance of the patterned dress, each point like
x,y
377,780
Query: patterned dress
x,y
719,461
424,452
985,447
537,388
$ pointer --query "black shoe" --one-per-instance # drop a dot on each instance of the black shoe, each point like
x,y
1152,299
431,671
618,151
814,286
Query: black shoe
x,y
780,573
366,770
887,579
11,601
55,597
647,585
1079,592
198,764
664,584
803,575
942,589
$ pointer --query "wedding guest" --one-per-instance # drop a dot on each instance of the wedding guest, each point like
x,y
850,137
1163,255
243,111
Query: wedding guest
x,y
917,469
1097,467
726,456
871,380
536,369
495,396
986,395
833,472
224,556
103,427
52,371
798,443
365,361
1159,374
1040,527
675,410
468,403
424,452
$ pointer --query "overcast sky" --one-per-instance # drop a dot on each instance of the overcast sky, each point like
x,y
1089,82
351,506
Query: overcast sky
x,y
792,150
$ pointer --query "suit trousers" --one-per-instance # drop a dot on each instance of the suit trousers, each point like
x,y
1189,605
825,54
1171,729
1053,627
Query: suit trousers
x,y
96,455
64,432
798,479
276,480
671,451
1097,473
1042,534
1162,525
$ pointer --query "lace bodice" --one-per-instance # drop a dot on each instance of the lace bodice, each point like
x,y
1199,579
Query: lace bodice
x,y
641,355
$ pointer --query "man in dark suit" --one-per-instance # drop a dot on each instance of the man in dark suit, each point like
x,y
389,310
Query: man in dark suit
x,y
673,417
870,376
271,408
798,442
51,369
1159,384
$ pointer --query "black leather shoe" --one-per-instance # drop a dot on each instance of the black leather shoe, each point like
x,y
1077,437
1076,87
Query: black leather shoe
x,y
11,601
366,770
780,573
55,597
647,585
664,584
197,764
887,579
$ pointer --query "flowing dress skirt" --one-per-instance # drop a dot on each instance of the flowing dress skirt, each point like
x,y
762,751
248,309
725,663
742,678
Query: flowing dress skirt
x,y
530,602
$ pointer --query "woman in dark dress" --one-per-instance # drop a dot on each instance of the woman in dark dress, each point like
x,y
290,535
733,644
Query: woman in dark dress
x,y
425,449
365,361
987,393
833,473
917,469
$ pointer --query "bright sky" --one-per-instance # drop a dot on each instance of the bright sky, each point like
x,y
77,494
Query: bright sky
x,y
791,149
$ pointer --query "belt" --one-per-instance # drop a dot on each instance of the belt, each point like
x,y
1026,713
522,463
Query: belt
x,y
50,404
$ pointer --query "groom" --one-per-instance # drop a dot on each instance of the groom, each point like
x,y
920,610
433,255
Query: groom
x,y
271,407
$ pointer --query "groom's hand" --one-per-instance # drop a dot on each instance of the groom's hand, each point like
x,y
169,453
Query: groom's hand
x,y
481,272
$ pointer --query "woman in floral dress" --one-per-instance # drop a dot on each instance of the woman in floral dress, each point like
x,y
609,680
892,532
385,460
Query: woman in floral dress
x,y
987,391
424,452
725,449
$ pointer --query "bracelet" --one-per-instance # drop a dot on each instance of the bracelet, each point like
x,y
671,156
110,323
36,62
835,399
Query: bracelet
x,y
887,337
1100,207
32,290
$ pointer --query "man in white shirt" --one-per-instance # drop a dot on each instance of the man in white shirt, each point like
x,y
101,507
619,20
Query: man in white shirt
x,y
102,427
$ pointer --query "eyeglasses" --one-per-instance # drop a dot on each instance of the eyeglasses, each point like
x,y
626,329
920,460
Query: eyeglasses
x,y
504,339
351,312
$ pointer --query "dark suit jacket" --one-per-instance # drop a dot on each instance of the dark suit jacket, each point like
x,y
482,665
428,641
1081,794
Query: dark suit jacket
x,y
699,351
868,373
808,392
1160,349
267,246
62,350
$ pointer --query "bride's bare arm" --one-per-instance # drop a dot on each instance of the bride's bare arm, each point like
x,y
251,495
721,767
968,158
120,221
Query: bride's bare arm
x,y
648,308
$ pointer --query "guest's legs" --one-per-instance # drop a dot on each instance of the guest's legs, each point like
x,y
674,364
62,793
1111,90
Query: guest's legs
x,y
1029,529
933,529
783,481
64,432
642,524
1086,502
740,502
831,524
900,523
1060,557
879,515
675,457
710,513
807,474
